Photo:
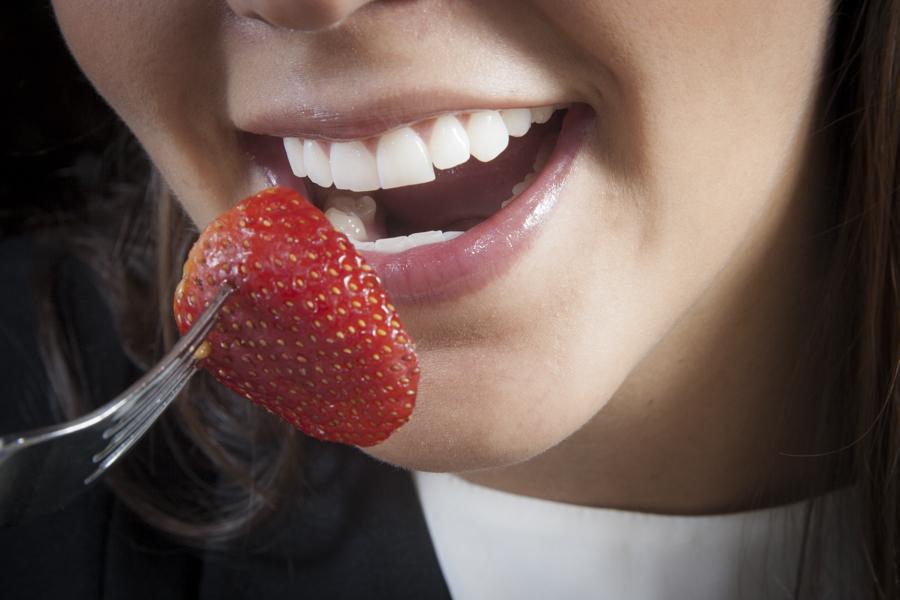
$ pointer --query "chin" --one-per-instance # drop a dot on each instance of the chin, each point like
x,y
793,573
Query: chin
x,y
482,428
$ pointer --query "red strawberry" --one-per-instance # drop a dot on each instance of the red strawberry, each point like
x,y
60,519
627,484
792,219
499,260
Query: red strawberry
x,y
309,332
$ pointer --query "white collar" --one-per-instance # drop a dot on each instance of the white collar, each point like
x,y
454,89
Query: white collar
x,y
495,545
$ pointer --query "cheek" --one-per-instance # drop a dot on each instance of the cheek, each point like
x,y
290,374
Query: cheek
x,y
145,58
110,41
160,66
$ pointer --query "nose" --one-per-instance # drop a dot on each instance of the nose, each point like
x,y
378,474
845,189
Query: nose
x,y
303,15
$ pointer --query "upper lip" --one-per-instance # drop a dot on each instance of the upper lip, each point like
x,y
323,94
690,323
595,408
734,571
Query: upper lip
x,y
352,120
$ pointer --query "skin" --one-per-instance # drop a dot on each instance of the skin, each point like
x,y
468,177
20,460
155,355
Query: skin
x,y
652,370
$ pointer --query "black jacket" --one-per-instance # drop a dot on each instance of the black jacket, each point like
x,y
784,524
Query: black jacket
x,y
360,533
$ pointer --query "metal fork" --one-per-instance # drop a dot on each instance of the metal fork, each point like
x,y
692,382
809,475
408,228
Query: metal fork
x,y
43,469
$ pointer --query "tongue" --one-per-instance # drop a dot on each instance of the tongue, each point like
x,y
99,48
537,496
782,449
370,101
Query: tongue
x,y
465,195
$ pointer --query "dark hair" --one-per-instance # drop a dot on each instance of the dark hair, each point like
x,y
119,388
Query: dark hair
x,y
230,465
213,466
864,287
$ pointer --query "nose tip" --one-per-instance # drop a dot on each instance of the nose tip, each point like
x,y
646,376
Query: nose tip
x,y
303,15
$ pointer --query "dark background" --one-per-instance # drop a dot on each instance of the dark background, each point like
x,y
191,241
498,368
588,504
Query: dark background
x,y
54,127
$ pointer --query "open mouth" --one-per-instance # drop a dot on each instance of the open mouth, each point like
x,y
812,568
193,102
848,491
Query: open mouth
x,y
423,200
428,182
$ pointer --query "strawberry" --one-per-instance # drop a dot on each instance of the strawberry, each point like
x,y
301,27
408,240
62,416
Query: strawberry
x,y
309,332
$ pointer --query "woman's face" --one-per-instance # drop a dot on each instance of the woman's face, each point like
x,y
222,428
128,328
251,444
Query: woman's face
x,y
530,326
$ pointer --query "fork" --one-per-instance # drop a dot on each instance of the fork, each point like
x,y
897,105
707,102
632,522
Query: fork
x,y
43,469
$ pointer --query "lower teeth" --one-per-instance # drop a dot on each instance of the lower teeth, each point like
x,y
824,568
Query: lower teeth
x,y
355,217
543,155
405,242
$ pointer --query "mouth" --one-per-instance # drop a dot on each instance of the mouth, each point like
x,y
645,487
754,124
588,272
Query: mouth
x,y
443,206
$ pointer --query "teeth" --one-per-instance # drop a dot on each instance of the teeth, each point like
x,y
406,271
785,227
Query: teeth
x,y
316,163
517,121
294,149
392,245
542,114
403,159
363,207
487,135
543,153
520,187
405,242
353,167
449,143
423,238
347,223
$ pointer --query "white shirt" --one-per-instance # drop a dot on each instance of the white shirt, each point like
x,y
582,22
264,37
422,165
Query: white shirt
x,y
495,545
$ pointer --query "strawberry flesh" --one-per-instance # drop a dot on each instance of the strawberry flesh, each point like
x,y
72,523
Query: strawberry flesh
x,y
309,332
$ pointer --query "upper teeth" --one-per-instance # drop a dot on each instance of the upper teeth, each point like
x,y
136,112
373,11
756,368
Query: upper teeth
x,y
402,157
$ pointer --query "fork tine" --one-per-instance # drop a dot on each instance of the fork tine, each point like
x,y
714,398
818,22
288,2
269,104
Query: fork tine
x,y
145,390
155,401
145,399
116,449
153,393
132,398
142,401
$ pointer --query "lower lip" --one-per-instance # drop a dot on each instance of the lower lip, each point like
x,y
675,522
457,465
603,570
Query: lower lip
x,y
449,270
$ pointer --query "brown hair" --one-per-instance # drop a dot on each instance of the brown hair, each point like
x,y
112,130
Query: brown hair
x,y
864,112
228,466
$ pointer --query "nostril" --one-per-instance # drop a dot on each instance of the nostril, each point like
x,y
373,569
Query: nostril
x,y
301,15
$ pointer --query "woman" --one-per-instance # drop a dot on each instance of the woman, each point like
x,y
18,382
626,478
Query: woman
x,y
691,309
